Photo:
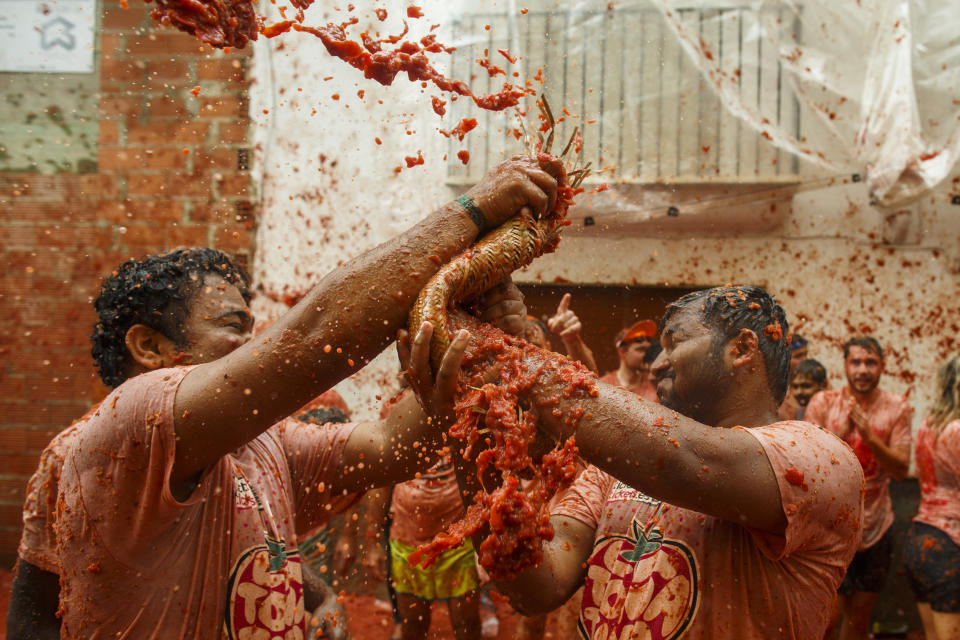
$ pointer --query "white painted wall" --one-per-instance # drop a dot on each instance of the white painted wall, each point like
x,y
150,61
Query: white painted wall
x,y
329,192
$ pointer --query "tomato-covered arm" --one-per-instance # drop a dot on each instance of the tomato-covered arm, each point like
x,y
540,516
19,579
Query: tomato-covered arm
x,y
345,320
717,471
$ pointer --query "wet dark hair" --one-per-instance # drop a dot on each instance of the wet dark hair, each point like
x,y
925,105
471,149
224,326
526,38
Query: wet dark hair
x,y
323,415
727,310
811,369
652,351
152,291
864,342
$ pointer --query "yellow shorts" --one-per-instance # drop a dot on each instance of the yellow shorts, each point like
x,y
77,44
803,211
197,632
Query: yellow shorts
x,y
452,575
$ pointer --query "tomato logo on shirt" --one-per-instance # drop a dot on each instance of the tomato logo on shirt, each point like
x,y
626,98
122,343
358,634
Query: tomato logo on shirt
x,y
639,586
265,603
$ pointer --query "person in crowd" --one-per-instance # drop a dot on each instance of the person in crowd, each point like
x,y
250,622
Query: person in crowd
x,y
876,424
566,324
420,508
932,549
633,373
179,497
806,379
703,516
798,353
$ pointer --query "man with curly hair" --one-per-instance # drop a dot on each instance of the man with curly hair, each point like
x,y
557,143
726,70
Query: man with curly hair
x,y
174,504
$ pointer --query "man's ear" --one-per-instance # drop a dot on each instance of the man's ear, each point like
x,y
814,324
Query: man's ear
x,y
149,348
744,348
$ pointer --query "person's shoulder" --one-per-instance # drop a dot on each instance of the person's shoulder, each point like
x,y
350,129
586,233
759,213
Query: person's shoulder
x,y
950,431
141,388
610,377
828,396
809,435
894,399
815,445
291,431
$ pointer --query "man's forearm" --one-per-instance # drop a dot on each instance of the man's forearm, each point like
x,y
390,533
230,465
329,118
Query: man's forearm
x,y
718,471
385,453
345,320
577,349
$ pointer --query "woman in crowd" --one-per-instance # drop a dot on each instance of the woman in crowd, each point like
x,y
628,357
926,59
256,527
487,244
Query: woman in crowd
x,y
932,553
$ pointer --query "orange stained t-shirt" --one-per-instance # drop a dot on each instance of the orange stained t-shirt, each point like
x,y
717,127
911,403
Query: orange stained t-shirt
x,y
938,466
137,563
890,417
661,571
38,542
644,389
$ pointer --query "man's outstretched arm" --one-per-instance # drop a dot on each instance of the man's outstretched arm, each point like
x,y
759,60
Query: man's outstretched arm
x,y
345,320
34,601
717,471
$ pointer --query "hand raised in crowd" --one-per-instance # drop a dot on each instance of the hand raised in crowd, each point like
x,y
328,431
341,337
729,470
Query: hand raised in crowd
x,y
519,182
565,322
859,420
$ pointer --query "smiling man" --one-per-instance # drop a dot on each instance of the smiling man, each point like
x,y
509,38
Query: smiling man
x,y
703,517
876,423
171,510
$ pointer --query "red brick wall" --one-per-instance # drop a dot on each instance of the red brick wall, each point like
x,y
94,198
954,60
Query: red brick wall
x,y
167,176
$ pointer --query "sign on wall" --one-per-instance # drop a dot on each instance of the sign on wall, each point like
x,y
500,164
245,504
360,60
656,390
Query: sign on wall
x,y
53,36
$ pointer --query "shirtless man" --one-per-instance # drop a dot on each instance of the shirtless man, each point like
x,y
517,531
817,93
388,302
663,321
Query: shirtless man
x,y
177,501
702,516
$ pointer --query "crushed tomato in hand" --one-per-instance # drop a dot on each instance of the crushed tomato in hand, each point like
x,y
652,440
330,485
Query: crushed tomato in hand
x,y
497,426
496,431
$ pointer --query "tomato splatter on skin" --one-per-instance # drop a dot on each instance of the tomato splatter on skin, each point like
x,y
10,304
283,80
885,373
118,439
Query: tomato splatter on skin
x,y
381,14
93,568
464,156
414,12
439,106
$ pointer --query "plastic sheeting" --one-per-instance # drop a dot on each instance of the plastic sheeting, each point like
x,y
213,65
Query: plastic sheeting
x,y
701,91
877,81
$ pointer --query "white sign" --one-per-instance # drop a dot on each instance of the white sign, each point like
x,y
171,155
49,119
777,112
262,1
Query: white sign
x,y
47,36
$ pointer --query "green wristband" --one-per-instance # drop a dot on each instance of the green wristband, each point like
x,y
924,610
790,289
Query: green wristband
x,y
476,214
